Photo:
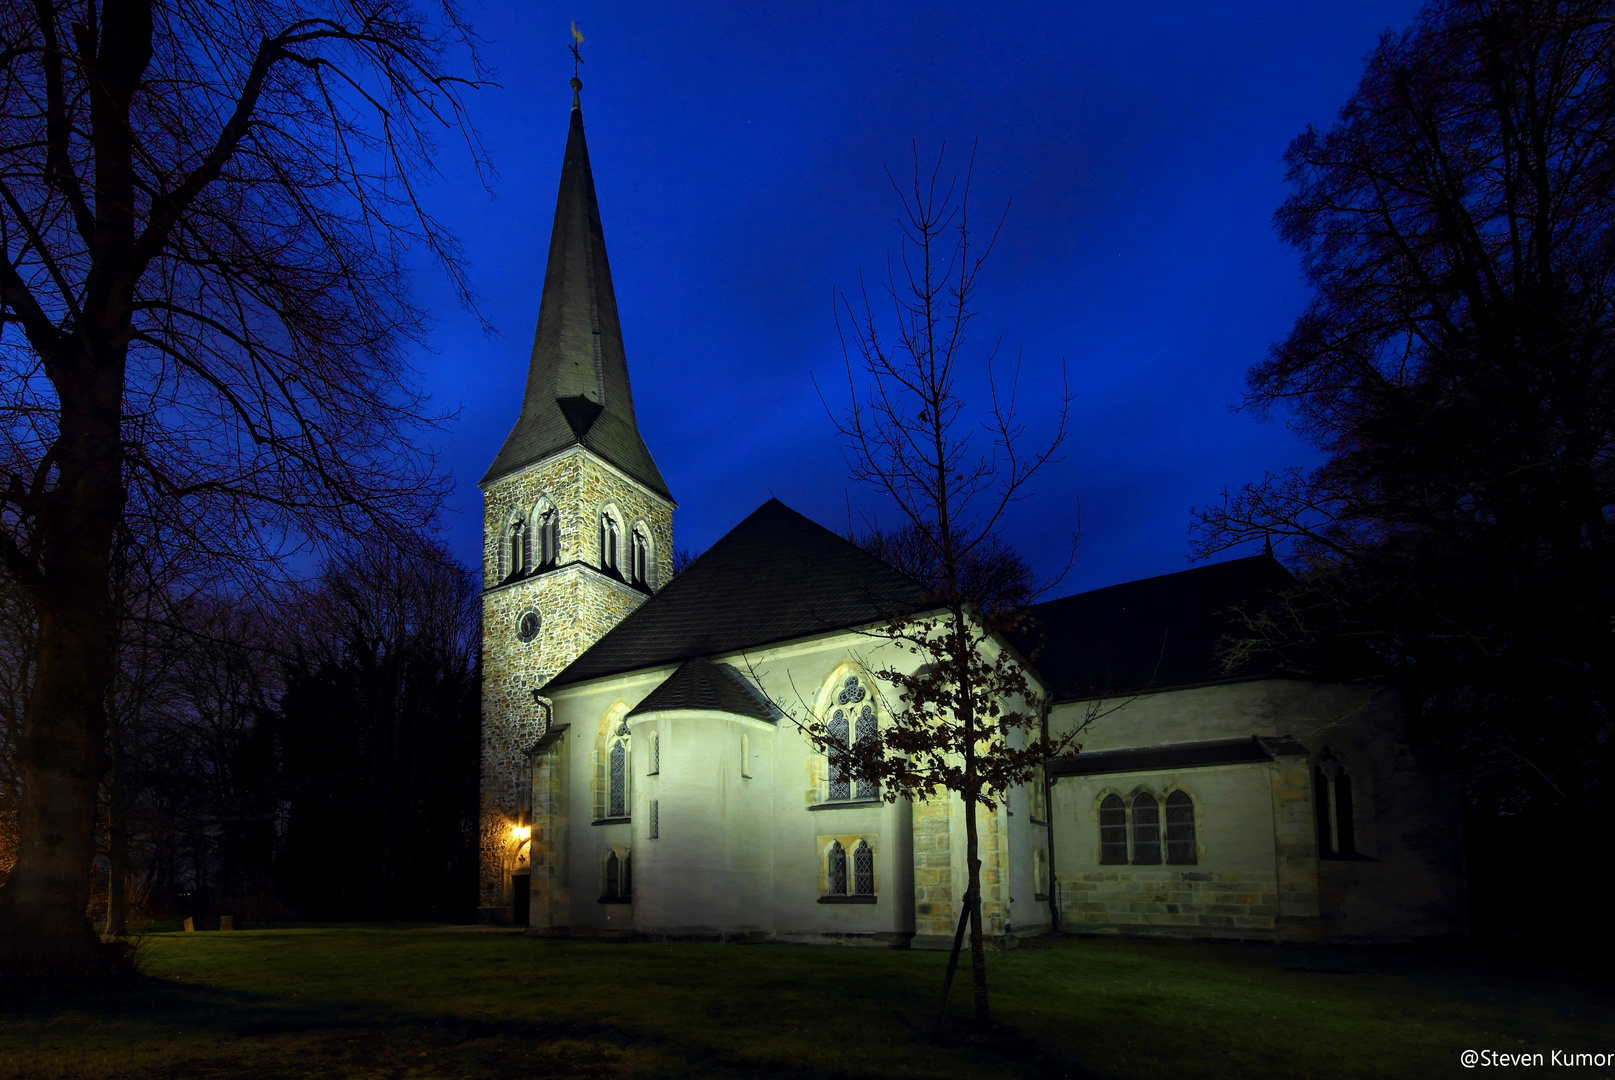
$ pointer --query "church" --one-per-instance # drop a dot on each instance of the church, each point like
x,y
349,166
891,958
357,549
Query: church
x,y
643,774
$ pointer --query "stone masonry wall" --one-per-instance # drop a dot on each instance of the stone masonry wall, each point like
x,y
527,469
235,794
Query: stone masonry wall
x,y
941,871
577,604
1229,904
934,911
1295,849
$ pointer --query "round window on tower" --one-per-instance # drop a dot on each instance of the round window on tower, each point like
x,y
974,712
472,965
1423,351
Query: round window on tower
x,y
527,625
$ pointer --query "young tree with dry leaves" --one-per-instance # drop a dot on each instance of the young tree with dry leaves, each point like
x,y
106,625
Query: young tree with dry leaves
x,y
206,210
967,718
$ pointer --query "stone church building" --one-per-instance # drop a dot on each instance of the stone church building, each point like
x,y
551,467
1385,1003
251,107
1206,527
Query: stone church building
x,y
643,774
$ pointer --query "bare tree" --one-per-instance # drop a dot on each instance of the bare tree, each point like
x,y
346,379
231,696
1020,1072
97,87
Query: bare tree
x,y
206,210
969,719
1455,367
994,575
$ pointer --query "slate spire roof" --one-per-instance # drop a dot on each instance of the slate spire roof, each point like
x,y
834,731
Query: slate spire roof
x,y
577,379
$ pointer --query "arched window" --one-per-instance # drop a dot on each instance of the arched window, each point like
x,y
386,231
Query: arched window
x,y
518,549
1180,846
1113,831
655,754
549,539
639,561
851,720
608,543
863,869
1146,830
836,877
1040,874
1336,818
617,774
617,873
840,787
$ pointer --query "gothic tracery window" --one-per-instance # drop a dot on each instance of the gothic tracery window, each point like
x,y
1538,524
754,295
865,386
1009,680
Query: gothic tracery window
x,y
617,774
851,721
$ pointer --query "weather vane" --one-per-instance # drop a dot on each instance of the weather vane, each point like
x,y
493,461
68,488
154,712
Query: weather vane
x,y
577,39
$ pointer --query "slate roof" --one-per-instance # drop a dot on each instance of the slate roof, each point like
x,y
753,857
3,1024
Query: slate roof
x,y
774,577
1194,755
1152,634
577,376
701,684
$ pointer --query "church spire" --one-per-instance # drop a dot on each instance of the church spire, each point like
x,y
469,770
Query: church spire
x,y
577,379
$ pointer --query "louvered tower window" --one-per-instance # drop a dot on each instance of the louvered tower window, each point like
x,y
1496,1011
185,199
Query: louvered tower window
x,y
549,540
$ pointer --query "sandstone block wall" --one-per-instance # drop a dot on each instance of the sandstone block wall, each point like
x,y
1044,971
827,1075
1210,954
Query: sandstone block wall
x,y
1196,902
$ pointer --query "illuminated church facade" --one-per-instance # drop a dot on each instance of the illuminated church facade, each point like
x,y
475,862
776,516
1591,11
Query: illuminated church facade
x,y
643,776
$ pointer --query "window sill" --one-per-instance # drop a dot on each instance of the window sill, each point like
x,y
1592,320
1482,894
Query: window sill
x,y
620,901
860,899
611,821
1345,856
847,804
1037,821
1041,898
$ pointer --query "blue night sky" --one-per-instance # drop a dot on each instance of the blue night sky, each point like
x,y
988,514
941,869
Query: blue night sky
x,y
739,153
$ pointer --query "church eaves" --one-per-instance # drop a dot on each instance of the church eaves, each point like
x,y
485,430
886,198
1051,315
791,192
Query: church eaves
x,y
577,379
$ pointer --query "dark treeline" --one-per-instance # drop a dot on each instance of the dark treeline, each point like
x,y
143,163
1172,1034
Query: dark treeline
x,y
286,752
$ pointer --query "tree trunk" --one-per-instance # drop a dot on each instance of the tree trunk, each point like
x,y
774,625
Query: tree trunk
x,y
117,836
45,929
978,952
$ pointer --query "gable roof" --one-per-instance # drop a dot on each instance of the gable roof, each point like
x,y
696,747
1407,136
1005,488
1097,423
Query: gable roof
x,y
1151,634
577,376
774,577
701,684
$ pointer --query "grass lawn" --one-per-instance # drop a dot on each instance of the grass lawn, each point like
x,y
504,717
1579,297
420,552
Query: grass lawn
x,y
429,1002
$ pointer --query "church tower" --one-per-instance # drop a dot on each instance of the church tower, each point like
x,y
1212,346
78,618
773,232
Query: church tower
x,y
577,522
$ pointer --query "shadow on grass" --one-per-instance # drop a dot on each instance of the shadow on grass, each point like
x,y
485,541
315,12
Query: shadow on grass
x,y
395,1002
255,1036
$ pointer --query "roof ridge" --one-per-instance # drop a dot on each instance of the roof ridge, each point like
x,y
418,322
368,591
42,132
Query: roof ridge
x,y
1260,557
